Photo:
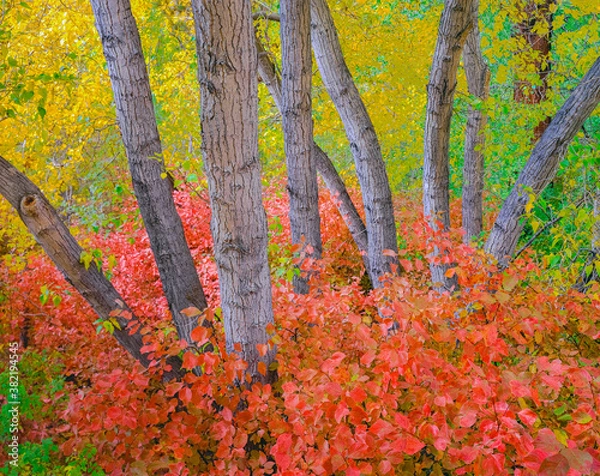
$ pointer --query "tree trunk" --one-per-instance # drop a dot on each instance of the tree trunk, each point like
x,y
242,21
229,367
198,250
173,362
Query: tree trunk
x,y
135,114
370,168
50,232
323,163
297,131
543,163
227,73
478,81
455,25
535,31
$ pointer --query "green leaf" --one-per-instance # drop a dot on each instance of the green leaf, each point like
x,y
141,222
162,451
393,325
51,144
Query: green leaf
x,y
45,293
86,258
560,410
108,326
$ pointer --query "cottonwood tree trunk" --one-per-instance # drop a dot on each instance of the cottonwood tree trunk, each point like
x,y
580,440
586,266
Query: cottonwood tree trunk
x,y
227,73
543,164
478,82
296,103
44,223
323,163
137,122
455,25
534,37
370,168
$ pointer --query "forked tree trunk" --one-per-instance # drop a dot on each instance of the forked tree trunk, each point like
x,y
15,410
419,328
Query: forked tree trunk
x,y
455,25
137,122
535,34
44,223
370,168
323,163
296,102
227,73
478,83
543,164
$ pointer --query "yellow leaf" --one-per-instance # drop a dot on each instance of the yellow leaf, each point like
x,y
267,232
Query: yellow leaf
x,y
561,436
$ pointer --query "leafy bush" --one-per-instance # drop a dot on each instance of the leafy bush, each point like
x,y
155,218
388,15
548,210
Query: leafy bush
x,y
500,378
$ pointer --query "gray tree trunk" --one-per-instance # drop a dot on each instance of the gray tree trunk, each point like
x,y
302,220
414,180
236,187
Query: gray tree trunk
x,y
543,164
296,114
227,73
455,24
323,163
44,223
137,122
478,83
370,168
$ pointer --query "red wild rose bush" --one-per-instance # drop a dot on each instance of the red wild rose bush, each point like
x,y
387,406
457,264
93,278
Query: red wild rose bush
x,y
501,378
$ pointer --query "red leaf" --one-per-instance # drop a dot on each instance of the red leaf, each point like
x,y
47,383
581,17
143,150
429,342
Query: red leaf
x,y
341,411
200,335
262,349
262,368
555,465
358,395
578,460
527,416
333,362
547,442
413,445
114,413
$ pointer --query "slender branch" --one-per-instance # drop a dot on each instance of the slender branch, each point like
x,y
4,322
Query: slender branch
x,y
547,225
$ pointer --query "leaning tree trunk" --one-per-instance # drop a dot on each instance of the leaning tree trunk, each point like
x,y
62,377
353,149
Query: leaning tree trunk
x,y
478,81
455,24
534,34
227,73
296,60
370,168
323,163
543,164
51,233
135,114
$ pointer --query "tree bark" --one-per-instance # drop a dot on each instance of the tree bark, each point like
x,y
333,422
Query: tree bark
x,y
44,223
370,168
543,164
478,83
227,73
137,122
296,114
323,163
455,25
538,17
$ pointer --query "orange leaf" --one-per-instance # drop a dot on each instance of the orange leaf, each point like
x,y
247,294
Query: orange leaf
x,y
262,368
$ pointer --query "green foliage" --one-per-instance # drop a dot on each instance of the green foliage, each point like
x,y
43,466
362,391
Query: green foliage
x,y
41,459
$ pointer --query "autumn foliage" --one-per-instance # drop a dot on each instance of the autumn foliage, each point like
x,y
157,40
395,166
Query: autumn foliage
x,y
501,378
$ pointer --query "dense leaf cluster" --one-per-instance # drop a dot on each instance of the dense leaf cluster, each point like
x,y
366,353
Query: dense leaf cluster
x,y
501,378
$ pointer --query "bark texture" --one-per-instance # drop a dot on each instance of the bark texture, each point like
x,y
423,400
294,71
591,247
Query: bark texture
x,y
455,25
137,122
44,223
227,72
370,168
543,164
535,35
323,163
478,83
296,105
